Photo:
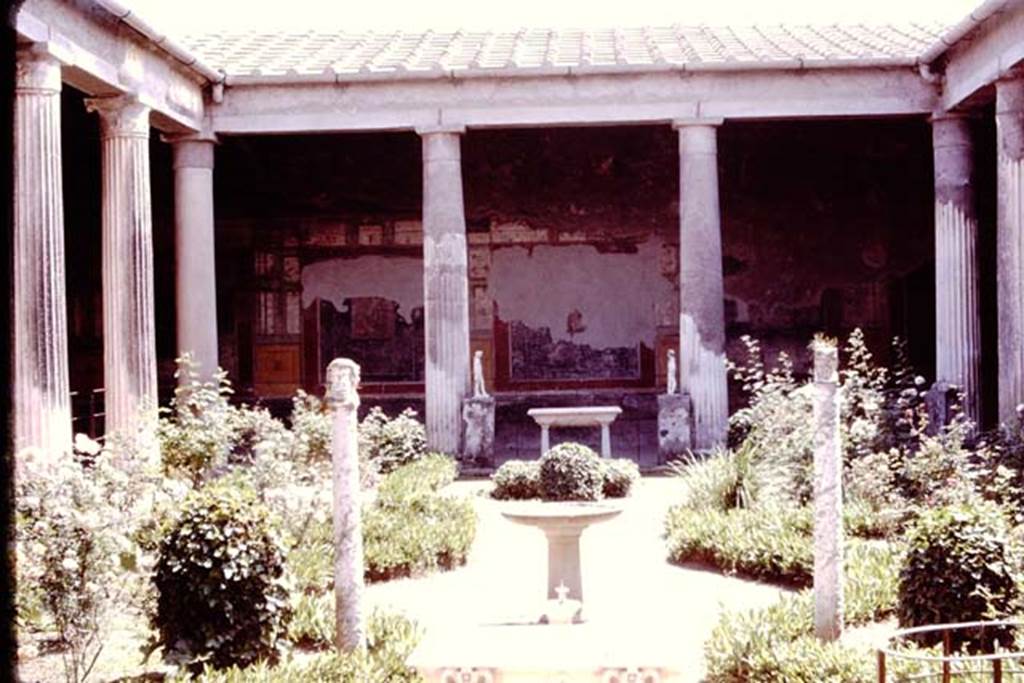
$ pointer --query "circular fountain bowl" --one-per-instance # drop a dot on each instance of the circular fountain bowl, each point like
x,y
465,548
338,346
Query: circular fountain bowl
x,y
561,514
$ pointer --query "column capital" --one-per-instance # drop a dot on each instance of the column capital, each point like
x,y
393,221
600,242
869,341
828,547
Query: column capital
x,y
689,122
453,128
192,150
120,116
37,70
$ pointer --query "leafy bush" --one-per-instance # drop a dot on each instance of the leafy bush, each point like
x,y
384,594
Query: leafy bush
x,y
775,644
958,568
619,476
77,557
198,432
222,597
517,480
390,640
429,474
410,528
392,442
571,471
771,544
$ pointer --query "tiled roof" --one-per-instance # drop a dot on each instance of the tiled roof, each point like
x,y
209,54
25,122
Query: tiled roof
x,y
435,53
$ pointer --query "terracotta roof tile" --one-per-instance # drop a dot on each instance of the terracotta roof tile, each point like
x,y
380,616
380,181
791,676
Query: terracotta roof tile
x,y
396,52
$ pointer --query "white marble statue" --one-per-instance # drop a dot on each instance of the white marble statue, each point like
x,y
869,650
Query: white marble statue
x,y
673,373
479,391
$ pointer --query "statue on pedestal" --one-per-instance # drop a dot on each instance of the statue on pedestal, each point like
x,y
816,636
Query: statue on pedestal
x,y
478,375
673,373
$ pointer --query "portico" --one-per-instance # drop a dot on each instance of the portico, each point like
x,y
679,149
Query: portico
x,y
416,288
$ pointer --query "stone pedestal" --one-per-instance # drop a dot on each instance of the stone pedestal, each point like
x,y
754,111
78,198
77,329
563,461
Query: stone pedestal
x,y
42,403
478,438
702,369
675,435
828,494
129,337
195,272
1010,244
342,397
957,318
445,289
942,402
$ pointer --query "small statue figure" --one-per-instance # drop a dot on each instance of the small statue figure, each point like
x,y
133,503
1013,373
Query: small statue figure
x,y
478,375
673,373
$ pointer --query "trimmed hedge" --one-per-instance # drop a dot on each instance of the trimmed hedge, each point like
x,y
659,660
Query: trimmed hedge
x,y
571,471
620,474
771,544
517,480
410,528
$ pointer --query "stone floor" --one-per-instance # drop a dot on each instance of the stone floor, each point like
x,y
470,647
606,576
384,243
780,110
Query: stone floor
x,y
643,613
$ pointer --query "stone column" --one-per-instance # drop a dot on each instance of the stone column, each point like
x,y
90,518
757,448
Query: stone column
x,y
828,494
445,288
343,397
195,272
1010,243
129,339
42,403
957,321
702,370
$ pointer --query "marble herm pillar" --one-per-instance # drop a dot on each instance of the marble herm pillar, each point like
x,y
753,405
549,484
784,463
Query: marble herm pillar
x,y
957,318
1010,243
195,271
129,339
702,366
445,289
42,402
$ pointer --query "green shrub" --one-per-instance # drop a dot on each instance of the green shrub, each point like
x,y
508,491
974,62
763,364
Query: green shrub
x,y
517,480
390,640
429,474
410,528
619,476
722,481
221,593
771,544
571,471
958,568
391,442
410,536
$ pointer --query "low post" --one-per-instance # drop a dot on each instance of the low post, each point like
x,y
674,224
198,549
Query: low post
x,y
342,381
828,492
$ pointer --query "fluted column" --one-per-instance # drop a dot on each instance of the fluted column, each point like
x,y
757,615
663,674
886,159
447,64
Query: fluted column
x,y
702,369
42,403
129,338
445,289
1010,243
195,272
957,321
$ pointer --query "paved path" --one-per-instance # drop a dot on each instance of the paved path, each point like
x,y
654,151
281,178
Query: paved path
x,y
642,611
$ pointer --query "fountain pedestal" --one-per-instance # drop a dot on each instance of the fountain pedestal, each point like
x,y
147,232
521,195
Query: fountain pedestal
x,y
563,523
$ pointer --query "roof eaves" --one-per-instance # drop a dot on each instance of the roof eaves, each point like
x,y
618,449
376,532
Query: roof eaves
x,y
950,37
160,40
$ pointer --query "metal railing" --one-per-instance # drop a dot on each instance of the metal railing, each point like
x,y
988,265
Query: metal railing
x,y
993,665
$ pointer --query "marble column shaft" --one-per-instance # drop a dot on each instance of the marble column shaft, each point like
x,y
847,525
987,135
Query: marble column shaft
x,y
129,339
42,402
195,270
1010,243
828,494
957,318
445,290
701,290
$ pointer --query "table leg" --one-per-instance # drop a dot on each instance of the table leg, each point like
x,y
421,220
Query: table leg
x,y
606,440
545,440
